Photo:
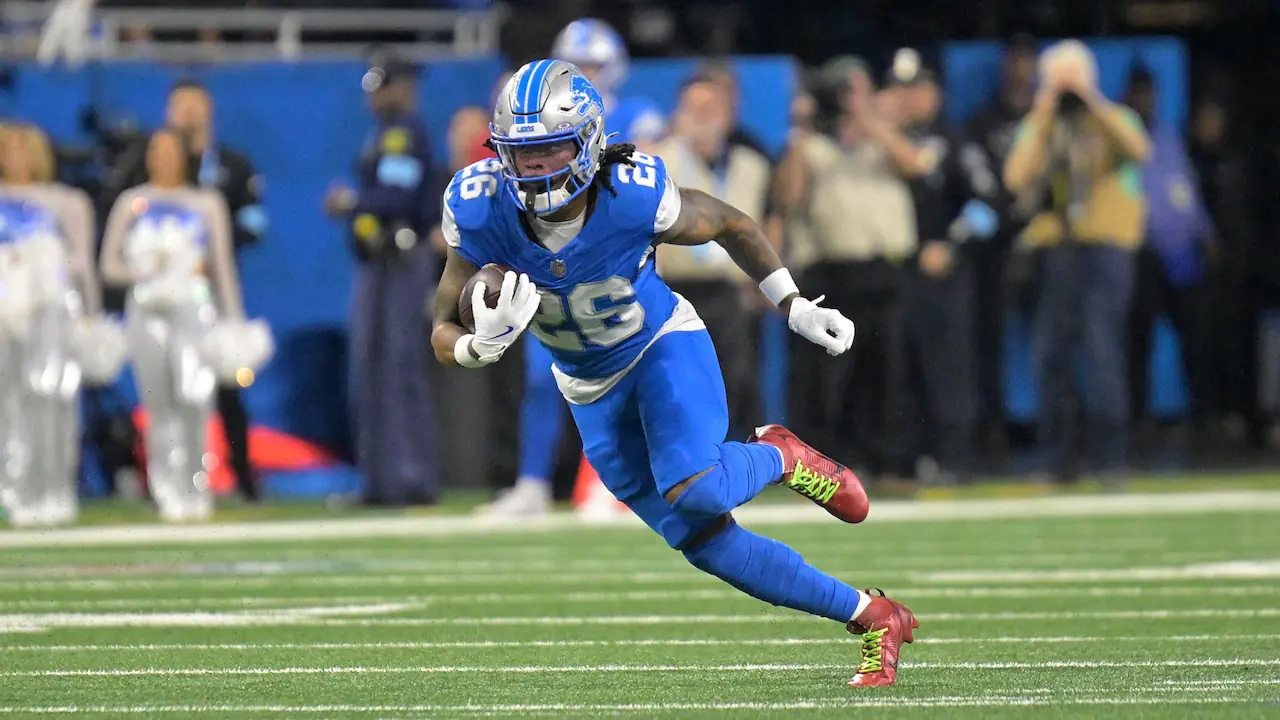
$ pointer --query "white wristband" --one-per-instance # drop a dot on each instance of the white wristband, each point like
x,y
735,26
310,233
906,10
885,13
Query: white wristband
x,y
778,286
462,353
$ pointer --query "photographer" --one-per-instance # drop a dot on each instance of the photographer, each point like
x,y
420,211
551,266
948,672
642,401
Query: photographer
x,y
1081,153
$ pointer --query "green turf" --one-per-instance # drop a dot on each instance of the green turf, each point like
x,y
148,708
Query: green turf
x,y
1107,617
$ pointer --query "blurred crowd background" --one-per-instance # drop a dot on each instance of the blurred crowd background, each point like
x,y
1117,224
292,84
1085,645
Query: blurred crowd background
x,y
1107,303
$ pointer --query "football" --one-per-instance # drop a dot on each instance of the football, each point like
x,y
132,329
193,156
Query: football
x,y
491,275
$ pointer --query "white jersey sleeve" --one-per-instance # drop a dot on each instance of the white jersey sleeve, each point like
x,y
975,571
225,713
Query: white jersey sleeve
x,y
668,207
448,225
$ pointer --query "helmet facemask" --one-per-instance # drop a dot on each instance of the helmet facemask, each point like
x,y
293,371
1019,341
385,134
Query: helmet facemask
x,y
544,173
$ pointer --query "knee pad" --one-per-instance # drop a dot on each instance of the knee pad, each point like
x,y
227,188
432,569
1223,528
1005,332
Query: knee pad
x,y
705,498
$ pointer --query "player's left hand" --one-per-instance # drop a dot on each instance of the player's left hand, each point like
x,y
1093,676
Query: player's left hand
x,y
821,326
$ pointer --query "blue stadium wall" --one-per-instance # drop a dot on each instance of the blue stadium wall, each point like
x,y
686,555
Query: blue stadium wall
x,y
303,125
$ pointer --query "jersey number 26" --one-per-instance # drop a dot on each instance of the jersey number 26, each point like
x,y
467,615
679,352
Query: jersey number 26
x,y
595,326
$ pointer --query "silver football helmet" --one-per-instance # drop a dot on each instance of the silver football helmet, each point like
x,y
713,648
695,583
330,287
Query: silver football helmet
x,y
544,104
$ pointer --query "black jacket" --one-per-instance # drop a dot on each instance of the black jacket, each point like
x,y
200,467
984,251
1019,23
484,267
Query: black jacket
x,y
961,172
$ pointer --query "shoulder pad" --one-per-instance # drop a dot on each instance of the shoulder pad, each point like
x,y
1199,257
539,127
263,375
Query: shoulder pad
x,y
639,189
472,193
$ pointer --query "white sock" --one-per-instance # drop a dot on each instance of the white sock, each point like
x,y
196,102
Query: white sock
x,y
532,480
863,601
783,459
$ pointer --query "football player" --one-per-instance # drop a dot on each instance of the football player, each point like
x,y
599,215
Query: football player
x,y
578,221
599,52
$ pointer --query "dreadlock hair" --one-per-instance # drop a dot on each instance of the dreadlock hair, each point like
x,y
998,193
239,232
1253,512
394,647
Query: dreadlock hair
x,y
615,154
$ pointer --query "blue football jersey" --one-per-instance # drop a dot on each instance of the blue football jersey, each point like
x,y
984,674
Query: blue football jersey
x,y
635,118
602,299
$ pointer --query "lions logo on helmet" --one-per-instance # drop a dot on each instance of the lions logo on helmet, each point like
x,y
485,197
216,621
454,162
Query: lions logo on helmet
x,y
548,110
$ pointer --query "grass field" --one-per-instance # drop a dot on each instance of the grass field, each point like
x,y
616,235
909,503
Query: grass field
x,y
1159,606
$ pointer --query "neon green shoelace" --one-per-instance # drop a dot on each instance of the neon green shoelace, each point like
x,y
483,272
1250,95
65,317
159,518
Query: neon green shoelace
x,y
813,484
871,651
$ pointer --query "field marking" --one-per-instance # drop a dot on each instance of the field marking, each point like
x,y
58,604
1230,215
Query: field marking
x,y
624,549
943,701
321,617
1234,569
251,601
1209,683
89,572
567,669
280,616
881,511
771,617
411,580
650,642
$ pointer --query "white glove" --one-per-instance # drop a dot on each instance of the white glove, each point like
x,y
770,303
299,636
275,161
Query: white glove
x,y
821,326
498,328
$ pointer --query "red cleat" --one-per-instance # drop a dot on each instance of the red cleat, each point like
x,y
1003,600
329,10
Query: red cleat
x,y
883,626
816,476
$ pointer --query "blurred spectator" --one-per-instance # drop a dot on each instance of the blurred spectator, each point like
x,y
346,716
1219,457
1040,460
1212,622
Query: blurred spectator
x,y
1171,264
1082,151
600,52
701,155
390,216
721,73
1226,173
27,172
995,127
214,166
218,167
40,471
851,227
953,203
170,244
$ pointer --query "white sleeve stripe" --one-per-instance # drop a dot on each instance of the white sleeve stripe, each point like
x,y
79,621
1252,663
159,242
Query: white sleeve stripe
x,y
449,227
668,208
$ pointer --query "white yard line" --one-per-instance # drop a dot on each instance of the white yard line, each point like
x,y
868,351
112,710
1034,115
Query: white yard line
x,y
322,617
881,512
650,642
1202,613
563,669
591,598
1230,570
1235,569
863,701
106,570
275,617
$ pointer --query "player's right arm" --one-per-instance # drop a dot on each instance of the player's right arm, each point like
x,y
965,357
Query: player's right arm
x,y
447,330
465,224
